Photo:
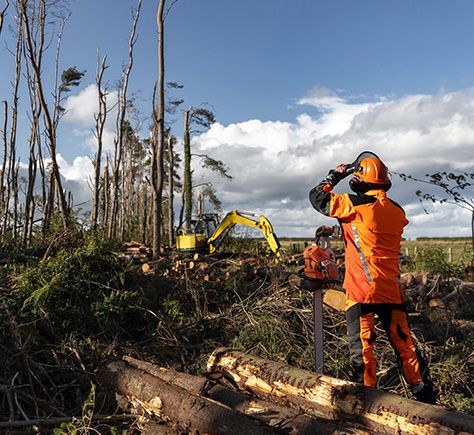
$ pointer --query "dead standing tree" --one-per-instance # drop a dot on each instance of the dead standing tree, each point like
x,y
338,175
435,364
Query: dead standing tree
x,y
49,116
100,119
203,118
33,57
10,176
121,117
171,162
157,166
35,160
5,153
34,141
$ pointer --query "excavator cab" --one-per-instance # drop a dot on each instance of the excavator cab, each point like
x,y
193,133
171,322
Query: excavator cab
x,y
196,240
209,234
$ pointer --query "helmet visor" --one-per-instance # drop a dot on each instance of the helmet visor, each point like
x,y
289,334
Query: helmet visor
x,y
363,155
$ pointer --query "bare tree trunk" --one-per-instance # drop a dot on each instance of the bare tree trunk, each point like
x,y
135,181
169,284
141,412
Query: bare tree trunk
x,y
32,90
6,199
70,200
42,170
13,131
50,199
50,130
106,201
144,217
16,223
100,119
158,137
170,191
11,170
120,124
129,211
32,161
187,182
4,166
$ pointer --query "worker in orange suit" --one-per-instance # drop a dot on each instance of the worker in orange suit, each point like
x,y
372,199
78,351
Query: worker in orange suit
x,y
372,227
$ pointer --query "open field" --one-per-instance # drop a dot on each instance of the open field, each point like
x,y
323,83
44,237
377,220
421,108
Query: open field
x,y
455,249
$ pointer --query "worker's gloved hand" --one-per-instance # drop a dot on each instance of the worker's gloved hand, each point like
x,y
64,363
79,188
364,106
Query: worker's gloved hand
x,y
336,175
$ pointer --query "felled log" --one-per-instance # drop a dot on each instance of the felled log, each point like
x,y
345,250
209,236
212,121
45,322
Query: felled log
x,y
289,420
336,299
172,403
323,396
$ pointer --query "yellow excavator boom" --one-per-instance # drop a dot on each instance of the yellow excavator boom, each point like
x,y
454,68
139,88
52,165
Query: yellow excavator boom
x,y
235,217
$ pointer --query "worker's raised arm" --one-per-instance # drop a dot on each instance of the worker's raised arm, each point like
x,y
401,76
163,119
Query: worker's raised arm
x,y
320,196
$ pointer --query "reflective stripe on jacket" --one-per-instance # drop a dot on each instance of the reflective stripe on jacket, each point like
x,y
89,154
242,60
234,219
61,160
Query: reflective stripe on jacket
x,y
372,228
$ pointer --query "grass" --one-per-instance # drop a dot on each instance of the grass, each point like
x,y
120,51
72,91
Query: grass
x,y
461,248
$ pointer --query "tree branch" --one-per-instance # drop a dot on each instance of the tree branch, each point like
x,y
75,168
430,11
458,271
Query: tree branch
x,y
169,9
2,14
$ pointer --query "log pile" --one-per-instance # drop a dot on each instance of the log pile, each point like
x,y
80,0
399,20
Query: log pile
x,y
203,268
434,291
135,252
250,395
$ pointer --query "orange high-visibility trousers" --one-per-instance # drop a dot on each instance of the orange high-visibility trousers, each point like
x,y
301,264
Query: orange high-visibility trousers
x,y
361,333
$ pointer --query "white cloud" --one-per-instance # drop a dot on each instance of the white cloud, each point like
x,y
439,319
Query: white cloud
x,y
80,111
276,163
80,108
80,169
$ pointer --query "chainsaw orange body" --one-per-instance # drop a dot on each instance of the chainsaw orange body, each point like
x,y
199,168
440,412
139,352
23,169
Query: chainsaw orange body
x,y
319,264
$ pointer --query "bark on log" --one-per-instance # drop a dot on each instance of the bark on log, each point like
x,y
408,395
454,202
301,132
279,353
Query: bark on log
x,y
323,396
173,403
287,420
153,428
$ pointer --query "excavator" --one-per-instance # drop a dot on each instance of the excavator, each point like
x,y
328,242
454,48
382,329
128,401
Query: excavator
x,y
209,233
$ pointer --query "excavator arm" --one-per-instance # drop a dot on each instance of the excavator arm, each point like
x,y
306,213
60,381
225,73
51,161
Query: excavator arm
x,y
236,217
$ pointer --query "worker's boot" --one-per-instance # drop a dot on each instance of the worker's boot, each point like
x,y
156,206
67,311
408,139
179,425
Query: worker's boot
x,y
424,393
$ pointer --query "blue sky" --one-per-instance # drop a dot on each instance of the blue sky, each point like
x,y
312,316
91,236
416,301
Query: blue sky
x,y
304,83
253,59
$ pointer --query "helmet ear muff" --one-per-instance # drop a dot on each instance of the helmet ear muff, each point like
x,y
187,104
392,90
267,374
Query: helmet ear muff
x,y
361,187
386,186
358,186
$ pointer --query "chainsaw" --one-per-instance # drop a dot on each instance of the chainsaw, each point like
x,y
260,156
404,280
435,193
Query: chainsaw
x,y
318,273
320,267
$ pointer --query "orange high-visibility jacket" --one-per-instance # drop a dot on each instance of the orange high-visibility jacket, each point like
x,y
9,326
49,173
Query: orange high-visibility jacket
x,y
372,227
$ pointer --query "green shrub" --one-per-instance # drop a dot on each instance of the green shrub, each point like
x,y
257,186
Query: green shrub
x,y
78,288
435,260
